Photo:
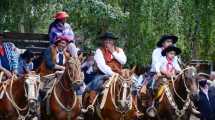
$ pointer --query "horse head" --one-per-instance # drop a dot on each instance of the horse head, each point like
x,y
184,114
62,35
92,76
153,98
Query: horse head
x,y
31,88
189,76
73,72
123,85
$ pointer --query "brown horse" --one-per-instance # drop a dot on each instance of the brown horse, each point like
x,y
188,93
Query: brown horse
x,y
62,102
116,101
175,102
19,98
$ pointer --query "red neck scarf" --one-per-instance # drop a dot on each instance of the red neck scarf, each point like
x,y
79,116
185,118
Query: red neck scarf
x,y
107,55
169,65
2,50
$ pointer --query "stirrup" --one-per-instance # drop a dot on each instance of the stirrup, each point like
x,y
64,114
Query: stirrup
x,y
90,107
139,114
83,110
151,111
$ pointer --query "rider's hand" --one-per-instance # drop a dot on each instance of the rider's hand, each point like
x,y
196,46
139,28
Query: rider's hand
x,y
111,48
159,74
62,68
8,74
58,67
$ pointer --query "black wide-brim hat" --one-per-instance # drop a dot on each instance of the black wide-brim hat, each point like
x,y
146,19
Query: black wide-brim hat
x,y
171,48
109,35
203,76
166,37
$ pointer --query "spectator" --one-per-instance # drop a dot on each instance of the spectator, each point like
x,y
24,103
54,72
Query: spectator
x,y
206,101
212,78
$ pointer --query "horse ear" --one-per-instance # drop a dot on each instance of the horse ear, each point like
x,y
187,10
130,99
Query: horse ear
x,y
132,70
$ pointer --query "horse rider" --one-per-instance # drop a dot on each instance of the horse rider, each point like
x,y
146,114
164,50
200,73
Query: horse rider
x,y
164,42
60,27
55,57
109,60
88,67
26,65
169,65
9,56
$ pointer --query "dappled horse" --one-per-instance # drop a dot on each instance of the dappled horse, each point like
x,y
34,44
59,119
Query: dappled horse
x,y
18,99
175,100
115,102
62,103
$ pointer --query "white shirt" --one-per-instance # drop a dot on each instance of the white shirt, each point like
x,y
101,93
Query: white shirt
x,y
156,57
73,50
89,65
57,57
205,91
101,64
138,80
162,64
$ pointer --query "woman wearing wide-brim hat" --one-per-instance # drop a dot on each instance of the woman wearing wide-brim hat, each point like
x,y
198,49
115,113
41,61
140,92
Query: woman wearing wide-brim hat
x,y
60,27
164,42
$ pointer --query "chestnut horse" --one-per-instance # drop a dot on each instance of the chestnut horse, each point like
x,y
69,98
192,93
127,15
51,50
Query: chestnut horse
x,y
19,98
176,100
63,104
116,101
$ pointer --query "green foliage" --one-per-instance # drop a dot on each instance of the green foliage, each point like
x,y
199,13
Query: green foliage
x,y
138,23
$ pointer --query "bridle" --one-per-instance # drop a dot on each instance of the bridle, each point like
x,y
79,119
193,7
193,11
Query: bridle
x,y
29,80
184,81
170,97
125,85
76,65
73,83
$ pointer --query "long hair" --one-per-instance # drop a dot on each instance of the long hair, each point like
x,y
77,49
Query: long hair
x,y
27,55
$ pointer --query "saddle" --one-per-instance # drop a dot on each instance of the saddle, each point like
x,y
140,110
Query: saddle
x,y
156,94
47,84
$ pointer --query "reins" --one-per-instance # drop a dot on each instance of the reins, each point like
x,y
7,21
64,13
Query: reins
x,y
183,78
170,97
67,109
113,92
11,99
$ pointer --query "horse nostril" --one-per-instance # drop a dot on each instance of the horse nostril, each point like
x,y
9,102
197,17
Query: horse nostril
x,y
32,103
